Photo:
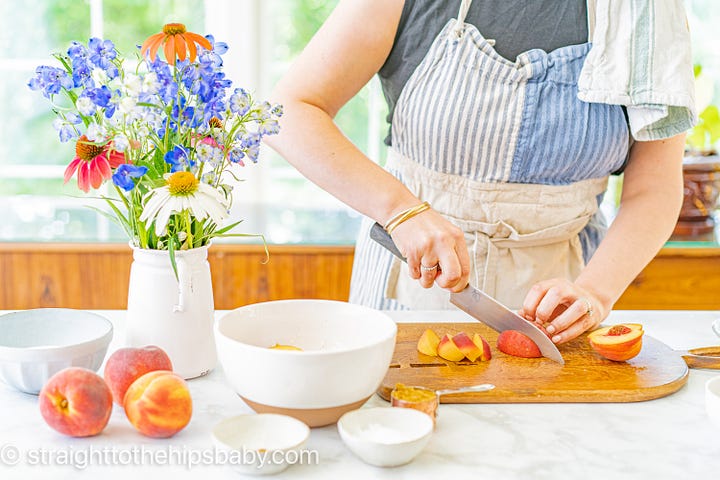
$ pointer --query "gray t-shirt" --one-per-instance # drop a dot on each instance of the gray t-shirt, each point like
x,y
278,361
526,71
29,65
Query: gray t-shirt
x,y
516,26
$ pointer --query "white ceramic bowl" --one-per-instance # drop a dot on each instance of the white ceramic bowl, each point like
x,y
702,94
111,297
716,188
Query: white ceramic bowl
x,y
261,444
385,436
712,400
35,344
346,353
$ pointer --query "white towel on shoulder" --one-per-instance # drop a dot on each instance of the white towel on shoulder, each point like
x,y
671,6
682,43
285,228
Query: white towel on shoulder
x,y
640,57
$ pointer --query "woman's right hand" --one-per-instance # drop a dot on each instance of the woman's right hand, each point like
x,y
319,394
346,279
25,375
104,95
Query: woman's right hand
x,y
428,239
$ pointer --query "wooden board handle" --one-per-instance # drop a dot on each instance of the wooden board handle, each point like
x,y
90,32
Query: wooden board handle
x,y
706,357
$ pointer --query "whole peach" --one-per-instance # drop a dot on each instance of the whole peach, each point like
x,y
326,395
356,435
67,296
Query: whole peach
x,y
158,404
76,402
126,365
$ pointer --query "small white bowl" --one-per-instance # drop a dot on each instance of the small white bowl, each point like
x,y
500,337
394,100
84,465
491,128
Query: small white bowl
x,y
716,327
712,399
261,444
36,344
385,436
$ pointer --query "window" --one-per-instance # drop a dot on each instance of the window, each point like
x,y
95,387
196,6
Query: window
x,y
264,36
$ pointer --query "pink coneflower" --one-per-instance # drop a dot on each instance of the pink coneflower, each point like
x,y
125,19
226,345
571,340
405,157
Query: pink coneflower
x,y
94,163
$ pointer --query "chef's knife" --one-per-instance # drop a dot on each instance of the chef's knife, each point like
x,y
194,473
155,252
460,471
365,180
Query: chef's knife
x,y
482,306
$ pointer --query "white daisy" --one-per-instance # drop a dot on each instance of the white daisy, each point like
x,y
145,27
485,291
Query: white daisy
x,y
183,192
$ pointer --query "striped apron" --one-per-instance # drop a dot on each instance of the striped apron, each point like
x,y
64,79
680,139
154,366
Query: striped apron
x,y
505,151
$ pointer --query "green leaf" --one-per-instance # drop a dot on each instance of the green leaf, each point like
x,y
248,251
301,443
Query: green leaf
x,y
171,251
711,121
697,69
227,228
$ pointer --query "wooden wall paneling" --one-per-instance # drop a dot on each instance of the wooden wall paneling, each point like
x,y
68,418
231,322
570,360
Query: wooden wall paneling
x,y
677,279
95,276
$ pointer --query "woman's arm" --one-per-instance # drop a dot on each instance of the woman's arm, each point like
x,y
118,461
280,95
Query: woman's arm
x,y
341,58
651,200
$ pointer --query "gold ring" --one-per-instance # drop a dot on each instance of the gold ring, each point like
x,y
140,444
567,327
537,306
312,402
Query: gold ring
x,y
589,312
429,269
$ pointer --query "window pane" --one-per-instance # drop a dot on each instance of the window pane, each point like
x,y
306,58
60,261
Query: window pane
x,y
26,133
36,27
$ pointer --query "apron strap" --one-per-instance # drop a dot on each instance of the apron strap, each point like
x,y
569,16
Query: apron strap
x,y
591,8
462,13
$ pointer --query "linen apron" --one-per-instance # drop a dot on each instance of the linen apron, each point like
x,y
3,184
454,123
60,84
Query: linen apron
x,y
505,151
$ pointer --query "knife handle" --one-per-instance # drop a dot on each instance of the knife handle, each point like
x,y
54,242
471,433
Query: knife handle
x,y
378,233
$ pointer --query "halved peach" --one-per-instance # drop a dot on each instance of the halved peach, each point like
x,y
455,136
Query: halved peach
x,y
513,342
448,350
484,346
619,342
428,343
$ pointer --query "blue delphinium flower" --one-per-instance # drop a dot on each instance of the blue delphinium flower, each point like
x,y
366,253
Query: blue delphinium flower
x,y
102,52
179,159
65,126
50,80
124,174
240,102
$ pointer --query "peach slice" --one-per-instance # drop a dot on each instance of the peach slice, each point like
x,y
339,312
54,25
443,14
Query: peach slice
x,y
619,342
448,350
428,343
278,346
468,348
515,343
483,345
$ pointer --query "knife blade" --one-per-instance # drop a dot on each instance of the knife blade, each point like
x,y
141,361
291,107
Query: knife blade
x,y
482,306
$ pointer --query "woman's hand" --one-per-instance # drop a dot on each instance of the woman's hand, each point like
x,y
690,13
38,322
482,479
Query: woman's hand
x,y
435,250
564,309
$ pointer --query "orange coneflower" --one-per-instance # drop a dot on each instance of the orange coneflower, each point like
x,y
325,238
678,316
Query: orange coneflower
x,y
178,42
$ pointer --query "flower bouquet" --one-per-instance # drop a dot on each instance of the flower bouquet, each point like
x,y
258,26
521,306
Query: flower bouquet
x,y
169,135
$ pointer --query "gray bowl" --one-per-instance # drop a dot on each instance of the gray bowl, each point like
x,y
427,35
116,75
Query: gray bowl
x,y
36,344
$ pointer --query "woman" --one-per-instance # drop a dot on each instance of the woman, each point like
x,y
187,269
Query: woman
x,y
511,163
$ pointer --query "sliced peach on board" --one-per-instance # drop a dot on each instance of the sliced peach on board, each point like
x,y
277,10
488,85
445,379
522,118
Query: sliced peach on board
x,y
619,342
467,346
278,346
483,345
428,343
517,344
448,350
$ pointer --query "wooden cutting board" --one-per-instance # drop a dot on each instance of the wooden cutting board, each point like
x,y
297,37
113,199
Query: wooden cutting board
x,y
655,372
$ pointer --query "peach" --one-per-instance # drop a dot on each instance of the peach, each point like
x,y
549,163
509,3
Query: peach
x,y
126,365
484,346
468,348
158,404
513,342
428,343
76,402
448,350
619,342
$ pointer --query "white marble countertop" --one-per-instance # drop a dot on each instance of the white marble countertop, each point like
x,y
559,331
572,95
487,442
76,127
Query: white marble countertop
x,y
667,438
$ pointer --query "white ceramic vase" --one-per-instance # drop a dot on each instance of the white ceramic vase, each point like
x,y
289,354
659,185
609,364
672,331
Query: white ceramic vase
x,y
177,315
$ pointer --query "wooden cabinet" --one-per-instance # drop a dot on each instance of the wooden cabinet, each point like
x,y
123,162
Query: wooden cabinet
x,y
677,279
95,276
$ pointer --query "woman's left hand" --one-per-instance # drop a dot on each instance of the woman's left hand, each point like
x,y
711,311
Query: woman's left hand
x,y
565,310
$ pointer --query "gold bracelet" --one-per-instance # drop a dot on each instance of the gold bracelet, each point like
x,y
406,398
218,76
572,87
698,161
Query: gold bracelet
x,y
405,215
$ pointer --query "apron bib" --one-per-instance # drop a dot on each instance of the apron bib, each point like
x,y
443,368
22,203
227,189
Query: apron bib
x,y
505,151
